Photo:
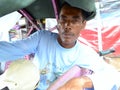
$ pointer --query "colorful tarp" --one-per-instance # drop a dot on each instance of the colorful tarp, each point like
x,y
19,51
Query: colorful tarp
x,y
110,38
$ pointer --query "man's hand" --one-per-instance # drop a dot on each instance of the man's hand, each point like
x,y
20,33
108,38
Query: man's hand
x,y
77,84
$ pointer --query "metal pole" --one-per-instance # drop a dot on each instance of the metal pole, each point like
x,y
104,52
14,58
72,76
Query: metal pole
x,y
99,27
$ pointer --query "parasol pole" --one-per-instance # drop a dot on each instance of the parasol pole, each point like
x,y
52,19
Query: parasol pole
x,y
100,48
29,18
55,7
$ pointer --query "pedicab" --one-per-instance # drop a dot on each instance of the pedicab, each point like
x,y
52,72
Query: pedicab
x,y
40,9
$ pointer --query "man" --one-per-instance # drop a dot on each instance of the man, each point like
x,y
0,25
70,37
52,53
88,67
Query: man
x,y
57,53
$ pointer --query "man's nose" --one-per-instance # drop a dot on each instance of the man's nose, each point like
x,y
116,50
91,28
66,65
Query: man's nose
x,y
68,23
67,26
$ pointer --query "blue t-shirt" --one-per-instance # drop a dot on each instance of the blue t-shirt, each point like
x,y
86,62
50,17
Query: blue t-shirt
x,y
50,57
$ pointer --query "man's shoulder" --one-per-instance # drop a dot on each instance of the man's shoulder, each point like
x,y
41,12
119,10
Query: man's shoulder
x,y
47,36
46,32
85,47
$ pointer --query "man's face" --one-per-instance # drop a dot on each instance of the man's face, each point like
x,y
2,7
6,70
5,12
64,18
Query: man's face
x,y
70,23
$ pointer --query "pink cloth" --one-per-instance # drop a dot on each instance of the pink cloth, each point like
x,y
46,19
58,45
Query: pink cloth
x,y
75,71
7,64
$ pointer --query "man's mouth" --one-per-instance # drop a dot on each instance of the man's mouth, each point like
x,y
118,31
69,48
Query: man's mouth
x,y
68,35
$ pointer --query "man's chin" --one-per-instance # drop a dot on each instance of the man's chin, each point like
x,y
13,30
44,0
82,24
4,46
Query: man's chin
x,y
68,43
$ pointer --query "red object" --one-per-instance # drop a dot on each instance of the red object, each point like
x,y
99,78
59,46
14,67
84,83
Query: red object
x,y
110,38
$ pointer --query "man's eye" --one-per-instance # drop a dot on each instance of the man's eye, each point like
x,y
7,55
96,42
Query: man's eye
x,y
63,20
75,20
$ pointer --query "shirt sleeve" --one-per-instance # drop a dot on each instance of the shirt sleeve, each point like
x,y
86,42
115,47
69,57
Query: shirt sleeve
x,y
19,48
105,80
105,76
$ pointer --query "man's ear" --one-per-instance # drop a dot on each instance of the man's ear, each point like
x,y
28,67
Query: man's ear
x,y
84,24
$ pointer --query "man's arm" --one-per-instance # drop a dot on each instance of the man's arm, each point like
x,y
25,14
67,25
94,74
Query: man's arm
x,y
77,84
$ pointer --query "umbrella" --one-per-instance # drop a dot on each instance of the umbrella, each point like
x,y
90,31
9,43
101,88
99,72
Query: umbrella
x,y
45,8
8,6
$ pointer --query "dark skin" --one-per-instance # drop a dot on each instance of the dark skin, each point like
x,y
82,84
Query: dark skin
x,y
70,24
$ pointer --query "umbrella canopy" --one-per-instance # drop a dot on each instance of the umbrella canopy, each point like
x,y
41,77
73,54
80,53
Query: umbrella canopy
x,y
44,8
8,6
41,9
